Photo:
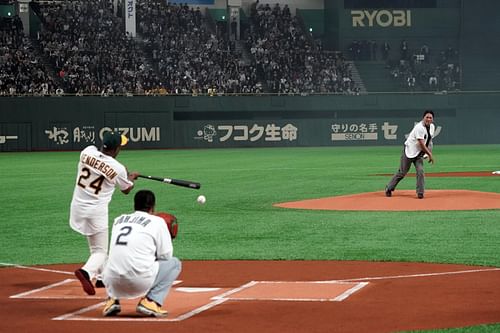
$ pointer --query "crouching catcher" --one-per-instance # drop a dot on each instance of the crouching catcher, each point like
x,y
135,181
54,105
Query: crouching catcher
x,y
141,261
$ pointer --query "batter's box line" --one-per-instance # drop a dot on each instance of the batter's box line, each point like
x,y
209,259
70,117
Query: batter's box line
x,y
357,286
28,294
235,290
76,315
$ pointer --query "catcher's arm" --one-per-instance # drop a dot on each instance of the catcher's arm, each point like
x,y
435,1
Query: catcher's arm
x,y
171,222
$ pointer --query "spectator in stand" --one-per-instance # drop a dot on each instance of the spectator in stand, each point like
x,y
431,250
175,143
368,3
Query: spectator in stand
x,y
189,58
90,53
433,82
290,64
20,71
385,48
87,46
424,50
404,50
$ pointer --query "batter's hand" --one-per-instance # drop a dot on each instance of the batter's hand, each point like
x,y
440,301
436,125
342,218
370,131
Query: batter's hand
x,y
133,175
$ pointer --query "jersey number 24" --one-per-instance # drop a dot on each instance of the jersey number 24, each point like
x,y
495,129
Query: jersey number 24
x,y
84,181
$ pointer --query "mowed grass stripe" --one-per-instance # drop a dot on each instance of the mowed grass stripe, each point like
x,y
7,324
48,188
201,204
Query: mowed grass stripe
x,y
239,222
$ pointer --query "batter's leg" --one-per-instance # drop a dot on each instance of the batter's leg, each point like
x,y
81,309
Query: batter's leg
x,y
98,245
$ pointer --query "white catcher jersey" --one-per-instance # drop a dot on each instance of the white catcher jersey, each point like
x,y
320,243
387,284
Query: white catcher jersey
x,y
98,175
137,241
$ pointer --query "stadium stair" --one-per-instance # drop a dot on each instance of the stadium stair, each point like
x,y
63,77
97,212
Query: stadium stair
x,y
376,76
357,77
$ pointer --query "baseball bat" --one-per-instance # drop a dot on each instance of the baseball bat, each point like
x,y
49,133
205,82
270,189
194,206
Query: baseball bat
x,y
178,182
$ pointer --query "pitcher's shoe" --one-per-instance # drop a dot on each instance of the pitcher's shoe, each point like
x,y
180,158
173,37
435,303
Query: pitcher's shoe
x,y
388,193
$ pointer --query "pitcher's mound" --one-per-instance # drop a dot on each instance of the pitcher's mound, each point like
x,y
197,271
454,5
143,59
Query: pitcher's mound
x,y
404,200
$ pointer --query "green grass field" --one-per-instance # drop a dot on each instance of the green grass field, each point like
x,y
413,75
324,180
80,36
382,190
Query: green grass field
x,y
239,222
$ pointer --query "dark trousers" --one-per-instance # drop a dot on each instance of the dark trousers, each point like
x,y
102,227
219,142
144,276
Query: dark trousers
x,y
404,166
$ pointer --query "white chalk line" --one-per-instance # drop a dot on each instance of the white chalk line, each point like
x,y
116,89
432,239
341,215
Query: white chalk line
x,y
76,315
68,316
216,300
313,282
201,309
350,291
420,275
235,290
224,296
36,268
342,280
339,298
50,286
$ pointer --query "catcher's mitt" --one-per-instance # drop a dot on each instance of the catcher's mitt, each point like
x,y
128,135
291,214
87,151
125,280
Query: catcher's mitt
x,y
171,222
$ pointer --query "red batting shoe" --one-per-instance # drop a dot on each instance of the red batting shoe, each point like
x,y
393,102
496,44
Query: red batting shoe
x,y
84,278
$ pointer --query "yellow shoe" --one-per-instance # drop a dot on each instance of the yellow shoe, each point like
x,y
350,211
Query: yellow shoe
x,y
112,307
150,308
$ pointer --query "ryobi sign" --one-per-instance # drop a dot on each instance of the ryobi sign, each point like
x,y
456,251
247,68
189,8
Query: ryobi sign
x,y
381,18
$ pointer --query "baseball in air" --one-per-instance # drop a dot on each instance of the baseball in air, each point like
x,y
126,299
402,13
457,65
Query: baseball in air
x,y
201,199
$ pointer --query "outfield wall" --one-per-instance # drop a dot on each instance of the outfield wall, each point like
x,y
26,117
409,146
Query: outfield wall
x,y
71,123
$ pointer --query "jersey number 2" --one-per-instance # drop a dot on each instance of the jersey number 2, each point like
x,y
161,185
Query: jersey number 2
x,y
123,232
96,184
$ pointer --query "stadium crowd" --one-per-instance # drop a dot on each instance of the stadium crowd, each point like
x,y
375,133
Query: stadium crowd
x,y
418,70
82,49
85,43
413,68
287,59
21,72
187,56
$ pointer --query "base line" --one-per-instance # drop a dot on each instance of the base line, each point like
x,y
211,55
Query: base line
x,y
36,268
420,275
29,292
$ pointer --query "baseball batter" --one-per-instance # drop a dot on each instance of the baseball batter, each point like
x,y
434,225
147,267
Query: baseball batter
x,y
98,175
417,146
141,261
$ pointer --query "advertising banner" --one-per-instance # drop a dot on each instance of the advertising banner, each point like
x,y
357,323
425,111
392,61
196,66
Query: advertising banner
x,y
299,132
130,17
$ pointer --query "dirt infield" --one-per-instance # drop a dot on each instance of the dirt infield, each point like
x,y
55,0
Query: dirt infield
x,y
265,296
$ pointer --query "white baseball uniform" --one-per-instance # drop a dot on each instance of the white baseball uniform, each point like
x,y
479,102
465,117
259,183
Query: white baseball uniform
x,y
138,241
98,175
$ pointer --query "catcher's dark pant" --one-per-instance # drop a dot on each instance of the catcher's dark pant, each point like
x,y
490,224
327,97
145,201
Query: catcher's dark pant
x,y
403,170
